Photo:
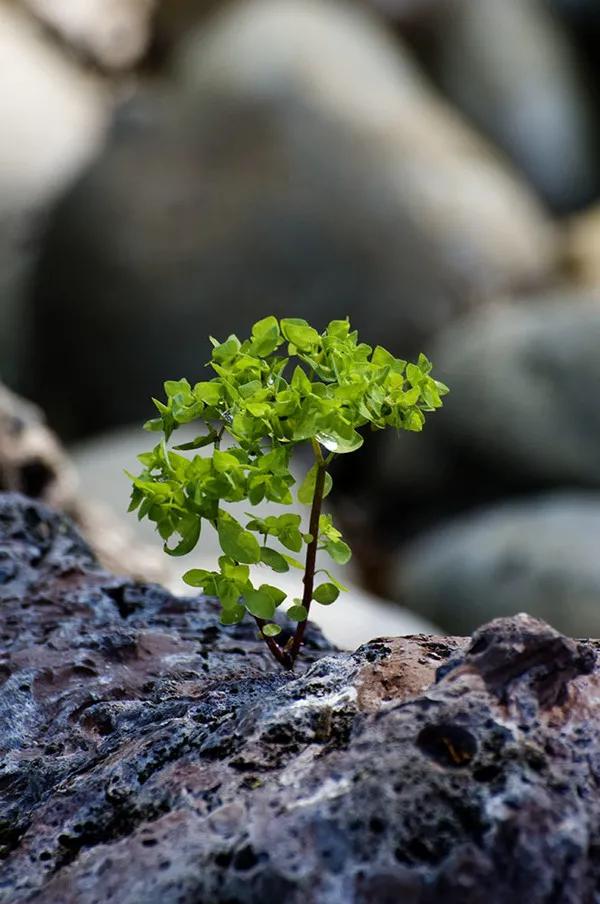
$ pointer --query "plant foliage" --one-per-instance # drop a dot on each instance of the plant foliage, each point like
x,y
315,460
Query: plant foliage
x,y
284,386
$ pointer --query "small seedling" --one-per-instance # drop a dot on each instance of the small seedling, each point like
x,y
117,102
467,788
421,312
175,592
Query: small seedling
x,y
285,386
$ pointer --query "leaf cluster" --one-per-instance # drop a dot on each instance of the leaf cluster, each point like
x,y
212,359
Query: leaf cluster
x,y
285,385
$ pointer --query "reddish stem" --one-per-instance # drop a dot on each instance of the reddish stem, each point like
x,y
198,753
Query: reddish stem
x,y
311,558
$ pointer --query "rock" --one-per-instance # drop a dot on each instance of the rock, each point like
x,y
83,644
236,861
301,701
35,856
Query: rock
x,y
111,33
510,68
582,248
518,422
150,754
540,554
52,117
33,462
101,464
522,378
300,166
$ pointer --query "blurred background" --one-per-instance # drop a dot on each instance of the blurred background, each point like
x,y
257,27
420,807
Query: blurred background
x,y
171,169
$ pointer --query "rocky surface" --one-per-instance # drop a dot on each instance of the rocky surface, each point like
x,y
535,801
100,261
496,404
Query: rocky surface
x,y
149,754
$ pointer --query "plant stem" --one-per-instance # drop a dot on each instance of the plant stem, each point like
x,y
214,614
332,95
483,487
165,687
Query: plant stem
x,y
282,656
311,554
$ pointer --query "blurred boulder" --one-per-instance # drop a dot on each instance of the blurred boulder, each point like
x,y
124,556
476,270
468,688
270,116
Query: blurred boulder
x,y
52,118
521,418
582,248
510,68
33,462
300,167
524,388
112,33
540,555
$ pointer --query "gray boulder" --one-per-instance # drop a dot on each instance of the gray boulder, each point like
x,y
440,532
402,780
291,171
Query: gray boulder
x,y
301,166
510,68
525,380
52,119
539,554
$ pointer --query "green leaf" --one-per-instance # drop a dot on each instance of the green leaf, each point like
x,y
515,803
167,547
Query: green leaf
x,y
339,551
236,542
210,392
196,577
233,615
338,329
306,490
224,461
259,603
299,333
277,595
189,531
332,578
297,613
271,630
301,383
274,559
198,442
225,351
293,562
232,571
155,425
174,388
326,594
265,337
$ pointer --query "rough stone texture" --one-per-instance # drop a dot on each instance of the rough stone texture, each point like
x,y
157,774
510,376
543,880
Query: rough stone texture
x,y
150,755
539,554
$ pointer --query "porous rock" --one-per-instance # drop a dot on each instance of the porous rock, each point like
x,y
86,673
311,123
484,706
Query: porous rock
x,y
149,754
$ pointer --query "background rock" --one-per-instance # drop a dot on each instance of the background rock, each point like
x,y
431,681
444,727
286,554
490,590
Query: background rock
x,y
539,554
301,166
148,753
112,33
523,380
510,68
582,248
52,118
33,462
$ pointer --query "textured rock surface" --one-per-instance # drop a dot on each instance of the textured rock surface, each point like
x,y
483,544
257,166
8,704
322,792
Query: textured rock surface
x,y
150,755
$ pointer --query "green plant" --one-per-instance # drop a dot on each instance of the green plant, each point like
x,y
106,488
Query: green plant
x,y
285,385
